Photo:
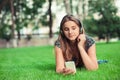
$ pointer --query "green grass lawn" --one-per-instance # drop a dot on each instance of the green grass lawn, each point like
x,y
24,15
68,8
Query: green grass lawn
x,y
38,63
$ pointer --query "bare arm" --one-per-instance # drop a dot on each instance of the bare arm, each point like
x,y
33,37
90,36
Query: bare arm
x,y
89,57
60,67
59,60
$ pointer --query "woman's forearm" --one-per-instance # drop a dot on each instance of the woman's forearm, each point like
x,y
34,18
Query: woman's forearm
x,y
88,62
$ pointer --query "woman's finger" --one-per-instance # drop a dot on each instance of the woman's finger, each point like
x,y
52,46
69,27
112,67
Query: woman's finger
x,y
69,71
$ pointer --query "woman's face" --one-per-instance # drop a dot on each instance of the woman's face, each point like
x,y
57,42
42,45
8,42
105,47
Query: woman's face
x,y
71,30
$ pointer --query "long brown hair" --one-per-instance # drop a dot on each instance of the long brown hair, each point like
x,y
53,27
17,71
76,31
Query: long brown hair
x,y
69,50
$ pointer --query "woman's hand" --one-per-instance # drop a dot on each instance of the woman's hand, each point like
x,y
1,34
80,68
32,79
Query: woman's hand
x,y
81,40
68,71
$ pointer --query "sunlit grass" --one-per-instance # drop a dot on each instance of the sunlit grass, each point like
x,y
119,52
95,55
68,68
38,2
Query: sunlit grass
x,y
38,63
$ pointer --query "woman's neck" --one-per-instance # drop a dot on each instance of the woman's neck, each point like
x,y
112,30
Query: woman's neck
x,y
73,43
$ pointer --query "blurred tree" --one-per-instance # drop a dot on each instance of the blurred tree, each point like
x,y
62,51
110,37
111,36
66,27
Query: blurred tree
x,y
3,17
8,6
105,23
78,8
47,18
82,8
22,12
26,12
67,6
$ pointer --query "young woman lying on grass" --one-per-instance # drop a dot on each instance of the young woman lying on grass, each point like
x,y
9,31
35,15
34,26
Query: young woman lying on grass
x,y
74,45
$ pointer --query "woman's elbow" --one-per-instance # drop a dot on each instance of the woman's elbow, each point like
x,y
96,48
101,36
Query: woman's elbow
x,y
93,68
96,67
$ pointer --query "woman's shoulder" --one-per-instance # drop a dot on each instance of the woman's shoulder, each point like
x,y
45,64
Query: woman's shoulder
x,y
89,38
89,41
57,43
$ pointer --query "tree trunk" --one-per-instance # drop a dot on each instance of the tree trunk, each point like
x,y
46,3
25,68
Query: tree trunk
x,y
67,6
107,34
71,7
12,13
17,9
84,8
107,38
79,9
14,43
118,32
50,19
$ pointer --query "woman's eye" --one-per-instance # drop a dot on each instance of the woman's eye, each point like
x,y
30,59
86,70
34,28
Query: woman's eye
x,y
66,29
73,28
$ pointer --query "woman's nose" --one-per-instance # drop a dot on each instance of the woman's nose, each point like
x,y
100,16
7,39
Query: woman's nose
x,y
70,31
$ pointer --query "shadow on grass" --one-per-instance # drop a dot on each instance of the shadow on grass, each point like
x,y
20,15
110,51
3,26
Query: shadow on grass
x,y
46,67
103,43
33,66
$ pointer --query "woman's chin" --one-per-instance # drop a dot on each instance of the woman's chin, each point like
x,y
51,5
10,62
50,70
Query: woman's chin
x,y
72,39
